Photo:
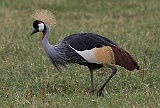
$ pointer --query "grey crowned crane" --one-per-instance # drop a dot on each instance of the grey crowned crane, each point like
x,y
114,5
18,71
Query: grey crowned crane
x,y
88,49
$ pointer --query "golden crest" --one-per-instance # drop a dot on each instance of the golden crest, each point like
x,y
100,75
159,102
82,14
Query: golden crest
x,y
45,15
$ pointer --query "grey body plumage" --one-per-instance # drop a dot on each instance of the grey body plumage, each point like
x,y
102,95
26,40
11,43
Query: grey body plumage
x,y
61,54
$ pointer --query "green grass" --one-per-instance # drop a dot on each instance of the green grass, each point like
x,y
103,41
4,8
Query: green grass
x,y
28,79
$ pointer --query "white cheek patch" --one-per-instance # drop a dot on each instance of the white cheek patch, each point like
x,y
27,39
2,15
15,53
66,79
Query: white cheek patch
x,y
41,27
88,55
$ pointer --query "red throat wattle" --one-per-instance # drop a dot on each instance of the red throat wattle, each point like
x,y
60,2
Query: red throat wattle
x,y
42,36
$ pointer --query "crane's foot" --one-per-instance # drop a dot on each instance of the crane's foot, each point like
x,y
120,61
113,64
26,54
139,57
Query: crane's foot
x,y
92,89
99,93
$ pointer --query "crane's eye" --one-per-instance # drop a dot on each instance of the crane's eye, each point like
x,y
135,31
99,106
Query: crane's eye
x,y
38,27
41,26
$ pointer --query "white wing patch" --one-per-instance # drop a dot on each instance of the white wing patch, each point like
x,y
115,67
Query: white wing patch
x,y
88,55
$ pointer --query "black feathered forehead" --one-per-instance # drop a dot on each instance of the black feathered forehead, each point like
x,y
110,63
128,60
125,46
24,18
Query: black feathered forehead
x,y
36,22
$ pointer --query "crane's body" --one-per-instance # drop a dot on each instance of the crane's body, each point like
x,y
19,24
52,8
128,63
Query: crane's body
x,y
88,49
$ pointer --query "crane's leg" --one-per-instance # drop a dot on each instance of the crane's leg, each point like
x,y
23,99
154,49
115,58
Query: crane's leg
x,y
92,84
114,70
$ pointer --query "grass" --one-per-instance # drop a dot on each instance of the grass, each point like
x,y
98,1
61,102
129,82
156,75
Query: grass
x,y
28,79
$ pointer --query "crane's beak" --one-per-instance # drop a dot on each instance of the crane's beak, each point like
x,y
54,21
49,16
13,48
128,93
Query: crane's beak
x,y
35,31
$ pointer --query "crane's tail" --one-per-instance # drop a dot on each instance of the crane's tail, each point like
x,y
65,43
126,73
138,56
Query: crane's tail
x,y
124,59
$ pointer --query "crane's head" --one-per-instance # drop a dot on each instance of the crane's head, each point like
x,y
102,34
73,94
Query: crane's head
x,y
42,17
39,26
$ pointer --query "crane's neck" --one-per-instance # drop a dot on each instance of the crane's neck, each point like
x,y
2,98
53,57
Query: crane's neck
x,y
45,35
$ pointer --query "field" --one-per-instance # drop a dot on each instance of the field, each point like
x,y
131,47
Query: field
x,y
28,79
